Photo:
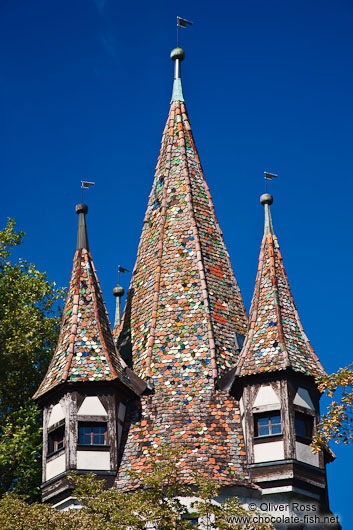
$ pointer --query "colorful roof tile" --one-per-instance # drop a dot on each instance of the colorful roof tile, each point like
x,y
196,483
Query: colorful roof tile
x,y
86,349
183,313
275,339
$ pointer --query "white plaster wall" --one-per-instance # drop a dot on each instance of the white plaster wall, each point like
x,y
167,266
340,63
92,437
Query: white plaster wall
x,y
303,399
93,460
56,415
55,467
266,396
92,406
305,454
268,452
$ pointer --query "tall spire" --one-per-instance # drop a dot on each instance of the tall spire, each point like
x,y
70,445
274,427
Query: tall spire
x,y
182,316
182,261
275,339
86,349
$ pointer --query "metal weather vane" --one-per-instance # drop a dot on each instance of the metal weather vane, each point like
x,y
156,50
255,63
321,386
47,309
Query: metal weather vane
x,y
121,269
269,176
85,185
182,23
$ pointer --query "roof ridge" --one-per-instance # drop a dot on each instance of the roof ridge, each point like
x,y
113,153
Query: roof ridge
x,y
157,284
217,225
74,324
200,261
98,322
275,290
253,311
300,325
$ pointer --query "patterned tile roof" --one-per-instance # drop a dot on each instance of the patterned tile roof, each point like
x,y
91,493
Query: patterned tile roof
x,y
183,312
86,349
275,339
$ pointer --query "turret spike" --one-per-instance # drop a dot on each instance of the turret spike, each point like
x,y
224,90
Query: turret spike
x,y
266,199
82,239
177,55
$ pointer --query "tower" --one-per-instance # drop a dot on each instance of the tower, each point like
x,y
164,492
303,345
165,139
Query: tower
x,y
87,387
274,379
184,320
184,365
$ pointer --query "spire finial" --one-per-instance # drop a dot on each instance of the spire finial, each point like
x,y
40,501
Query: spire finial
x,y
177,55
118,292
266,199
82,239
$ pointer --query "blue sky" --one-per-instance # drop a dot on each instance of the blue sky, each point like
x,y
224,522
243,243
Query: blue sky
x,y
85,88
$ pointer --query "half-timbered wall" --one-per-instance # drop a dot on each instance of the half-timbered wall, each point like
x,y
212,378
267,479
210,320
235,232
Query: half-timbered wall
x,y
61,420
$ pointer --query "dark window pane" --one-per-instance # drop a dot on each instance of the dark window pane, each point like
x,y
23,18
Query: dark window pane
x,y
303,426
276,429
98,439
92,434
264,430
56,440
98,429
84,437
275,420
266,425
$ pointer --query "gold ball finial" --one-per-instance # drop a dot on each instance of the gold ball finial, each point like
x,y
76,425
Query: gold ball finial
x,y
177,53
266,198
118,291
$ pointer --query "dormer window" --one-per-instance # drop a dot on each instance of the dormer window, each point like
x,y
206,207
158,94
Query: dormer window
x,y
268,424
92,433
56,440
303,424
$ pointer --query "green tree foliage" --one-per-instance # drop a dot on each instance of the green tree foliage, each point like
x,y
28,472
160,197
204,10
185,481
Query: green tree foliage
x,y
28,334
337,423
154,504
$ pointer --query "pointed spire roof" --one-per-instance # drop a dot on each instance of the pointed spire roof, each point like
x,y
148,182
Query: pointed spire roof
x,y
275,339
183,293
86,349
183,315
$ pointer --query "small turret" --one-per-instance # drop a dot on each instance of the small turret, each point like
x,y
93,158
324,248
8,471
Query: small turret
x,y
85,391
274,381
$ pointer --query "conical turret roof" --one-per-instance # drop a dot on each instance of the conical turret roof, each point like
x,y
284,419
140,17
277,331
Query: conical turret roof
x,y
275,339
86,349
183,295
183,317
